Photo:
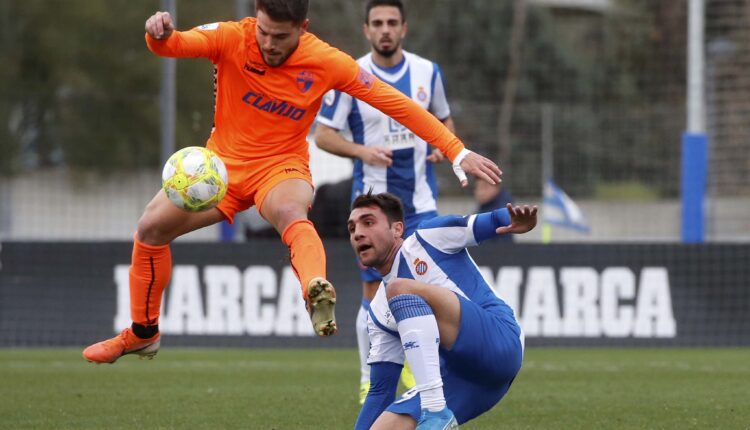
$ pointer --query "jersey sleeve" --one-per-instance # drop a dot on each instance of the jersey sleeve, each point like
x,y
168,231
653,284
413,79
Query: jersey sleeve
x,y
453,233
439,102
200,42
335,109
359,83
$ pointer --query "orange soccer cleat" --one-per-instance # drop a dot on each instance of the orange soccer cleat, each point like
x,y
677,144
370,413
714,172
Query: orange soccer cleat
x,y
108,351
321,303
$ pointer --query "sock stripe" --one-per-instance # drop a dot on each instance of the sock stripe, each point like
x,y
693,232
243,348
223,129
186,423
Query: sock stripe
x,y
406,306
150,286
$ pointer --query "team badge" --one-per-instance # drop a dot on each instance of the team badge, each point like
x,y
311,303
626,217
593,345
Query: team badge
x,y
420,267
366,78
421,94
304,80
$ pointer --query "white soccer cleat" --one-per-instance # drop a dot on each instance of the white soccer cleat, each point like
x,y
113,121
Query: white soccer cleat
x,y
321,303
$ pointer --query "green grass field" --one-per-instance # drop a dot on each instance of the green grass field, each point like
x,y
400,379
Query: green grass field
x,y
316,389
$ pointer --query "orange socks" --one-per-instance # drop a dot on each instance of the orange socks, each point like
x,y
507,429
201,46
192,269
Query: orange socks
x,y
150,269
308,255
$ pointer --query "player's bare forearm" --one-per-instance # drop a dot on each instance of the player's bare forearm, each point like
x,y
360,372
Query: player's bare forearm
x,y
329,140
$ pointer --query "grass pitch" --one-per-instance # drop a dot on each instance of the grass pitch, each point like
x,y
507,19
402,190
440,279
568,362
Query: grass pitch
x,y
317,389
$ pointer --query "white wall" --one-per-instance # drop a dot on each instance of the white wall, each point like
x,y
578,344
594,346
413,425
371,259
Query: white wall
x,y
55,205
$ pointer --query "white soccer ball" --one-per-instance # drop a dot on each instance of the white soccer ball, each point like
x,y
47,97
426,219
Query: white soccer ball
x,y
195,179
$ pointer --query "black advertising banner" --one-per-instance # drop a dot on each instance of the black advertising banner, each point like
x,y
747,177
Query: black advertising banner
x,y
72,294
219,295
625,294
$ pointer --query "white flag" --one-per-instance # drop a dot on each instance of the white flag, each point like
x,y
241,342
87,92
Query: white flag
x,y
561,211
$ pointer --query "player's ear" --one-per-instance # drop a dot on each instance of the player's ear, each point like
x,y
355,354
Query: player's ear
x,y
304,25
404,29
398,228
365,27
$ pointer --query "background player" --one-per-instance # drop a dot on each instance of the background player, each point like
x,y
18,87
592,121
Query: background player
x,y
389,157
271,77
434,307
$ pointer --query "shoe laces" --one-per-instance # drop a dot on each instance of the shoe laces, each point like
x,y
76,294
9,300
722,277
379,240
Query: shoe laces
x,y
119,341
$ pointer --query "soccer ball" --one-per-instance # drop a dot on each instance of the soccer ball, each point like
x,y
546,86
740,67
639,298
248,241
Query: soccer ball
x,y
195,179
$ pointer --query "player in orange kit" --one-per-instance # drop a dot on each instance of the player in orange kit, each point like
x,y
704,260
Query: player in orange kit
x,y
271,77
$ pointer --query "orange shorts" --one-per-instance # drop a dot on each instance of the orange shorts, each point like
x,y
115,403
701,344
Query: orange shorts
x,y
251,180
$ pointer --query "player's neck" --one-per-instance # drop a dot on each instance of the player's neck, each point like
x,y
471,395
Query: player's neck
x,y
387,62
386,267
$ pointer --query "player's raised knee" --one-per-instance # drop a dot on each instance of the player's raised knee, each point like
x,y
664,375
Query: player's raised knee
x,y
149,231
283,214
399,286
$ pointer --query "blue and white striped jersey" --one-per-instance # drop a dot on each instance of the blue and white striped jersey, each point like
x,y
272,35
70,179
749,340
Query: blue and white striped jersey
x,y
436,254
410,177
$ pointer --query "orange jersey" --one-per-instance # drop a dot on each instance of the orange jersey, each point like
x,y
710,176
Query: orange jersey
x,y
264,111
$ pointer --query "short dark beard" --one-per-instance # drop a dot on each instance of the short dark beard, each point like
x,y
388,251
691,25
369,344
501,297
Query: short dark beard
x,y
387,53
280,62
379,263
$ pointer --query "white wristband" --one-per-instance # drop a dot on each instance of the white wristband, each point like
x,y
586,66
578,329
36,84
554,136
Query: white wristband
x,y
460,174
460,157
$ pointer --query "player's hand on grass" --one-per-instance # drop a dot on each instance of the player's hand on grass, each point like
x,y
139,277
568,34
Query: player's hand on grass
x,y
522,219
436,156
376,155
476,165
160,25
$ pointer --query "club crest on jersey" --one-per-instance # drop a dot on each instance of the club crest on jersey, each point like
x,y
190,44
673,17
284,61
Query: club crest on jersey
x,y
366,78
304,80
420,266
421,94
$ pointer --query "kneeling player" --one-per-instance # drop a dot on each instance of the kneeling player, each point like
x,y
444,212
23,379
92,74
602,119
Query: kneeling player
x,y
433,307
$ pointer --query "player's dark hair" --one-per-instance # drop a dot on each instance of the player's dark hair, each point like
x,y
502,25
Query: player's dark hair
x,y
387,202
375,3
284,10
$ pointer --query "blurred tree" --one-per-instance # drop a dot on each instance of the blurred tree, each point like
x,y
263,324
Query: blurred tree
x,y
79,88
10,101
82,88
28,87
